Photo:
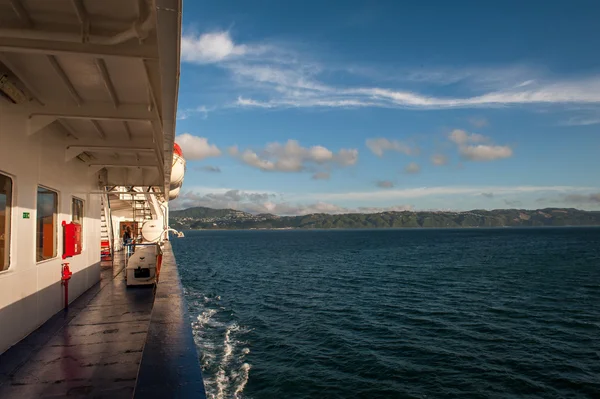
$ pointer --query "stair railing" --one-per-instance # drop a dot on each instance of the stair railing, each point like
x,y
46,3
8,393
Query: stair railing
x,y
109,224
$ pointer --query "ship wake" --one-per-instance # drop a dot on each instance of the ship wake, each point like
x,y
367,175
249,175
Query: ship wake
x,y
222,348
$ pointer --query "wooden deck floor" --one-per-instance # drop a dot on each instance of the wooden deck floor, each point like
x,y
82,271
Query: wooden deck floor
x,y
92,350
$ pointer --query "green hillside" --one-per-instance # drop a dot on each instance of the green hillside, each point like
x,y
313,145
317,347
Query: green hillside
x,y
207,218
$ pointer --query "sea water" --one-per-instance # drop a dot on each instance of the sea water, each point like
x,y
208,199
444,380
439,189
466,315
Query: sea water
x,y
490,313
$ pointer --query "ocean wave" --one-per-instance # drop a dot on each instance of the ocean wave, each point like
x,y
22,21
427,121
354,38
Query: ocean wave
x,y
220,341
406,314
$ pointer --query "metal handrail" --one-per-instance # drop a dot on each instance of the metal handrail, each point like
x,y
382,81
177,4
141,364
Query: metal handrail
x,y
111,232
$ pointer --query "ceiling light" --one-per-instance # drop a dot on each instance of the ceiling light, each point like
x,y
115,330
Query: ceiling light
x,y
10,90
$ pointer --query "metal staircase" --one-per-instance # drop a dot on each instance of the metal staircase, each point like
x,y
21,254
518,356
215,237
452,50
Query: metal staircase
x,y
106,230
141,209
127,204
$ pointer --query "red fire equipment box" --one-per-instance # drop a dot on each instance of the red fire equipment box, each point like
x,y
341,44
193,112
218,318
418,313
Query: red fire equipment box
x,y
71,239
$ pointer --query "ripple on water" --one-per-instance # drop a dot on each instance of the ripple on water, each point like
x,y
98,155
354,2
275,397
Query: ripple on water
x,y
395,313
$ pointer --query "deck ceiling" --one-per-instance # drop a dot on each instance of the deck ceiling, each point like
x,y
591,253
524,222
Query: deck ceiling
x,y
103,73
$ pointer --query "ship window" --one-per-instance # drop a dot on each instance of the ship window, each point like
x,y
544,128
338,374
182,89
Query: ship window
x,y
5,211
47,216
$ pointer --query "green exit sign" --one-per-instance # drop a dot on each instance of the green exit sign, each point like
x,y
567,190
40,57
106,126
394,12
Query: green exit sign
x,y
25,215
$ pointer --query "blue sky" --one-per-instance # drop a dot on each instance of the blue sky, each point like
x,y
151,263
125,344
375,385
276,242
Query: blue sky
x,y
304,107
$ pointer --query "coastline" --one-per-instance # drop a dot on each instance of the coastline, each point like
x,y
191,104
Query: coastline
x,y
405,228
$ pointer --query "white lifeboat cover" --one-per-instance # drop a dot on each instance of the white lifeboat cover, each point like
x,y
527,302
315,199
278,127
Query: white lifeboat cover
x,y
174,193
152,230
177,171
143,257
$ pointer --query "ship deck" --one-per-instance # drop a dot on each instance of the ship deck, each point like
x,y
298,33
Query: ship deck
x,y
114,341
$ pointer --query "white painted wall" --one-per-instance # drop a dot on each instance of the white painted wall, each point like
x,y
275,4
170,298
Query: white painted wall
x,y
30,292
118,244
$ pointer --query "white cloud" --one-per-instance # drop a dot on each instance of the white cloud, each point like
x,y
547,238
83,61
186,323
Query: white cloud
x,y
188,112
305,94
196,148
300,103
412,168
248,102
563,92
376,209
525,83
265,202
579,199
439,159
347,157
461,137
479,152
277,203
422,192
251,158
210,47
292,157
578,92
485,152
513,203
281,75
204,190
582,121
210,169
486,77
182,114
286,78
320,154
222,199
291,209
583,91
380,145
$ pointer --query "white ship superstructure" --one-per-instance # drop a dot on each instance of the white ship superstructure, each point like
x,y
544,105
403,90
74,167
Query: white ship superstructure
x,y
88,97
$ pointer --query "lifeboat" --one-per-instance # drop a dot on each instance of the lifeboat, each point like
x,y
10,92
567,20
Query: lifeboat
x,y
152,231
143,265
177,172
174,193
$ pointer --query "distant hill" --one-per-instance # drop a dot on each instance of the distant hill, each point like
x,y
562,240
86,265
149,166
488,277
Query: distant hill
x,y
207,218
200,212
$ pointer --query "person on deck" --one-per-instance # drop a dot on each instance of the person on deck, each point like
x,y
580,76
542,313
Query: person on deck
x,y
127,236
127,239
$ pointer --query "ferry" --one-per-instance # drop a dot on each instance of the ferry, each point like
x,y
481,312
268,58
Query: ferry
x,y
88,102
